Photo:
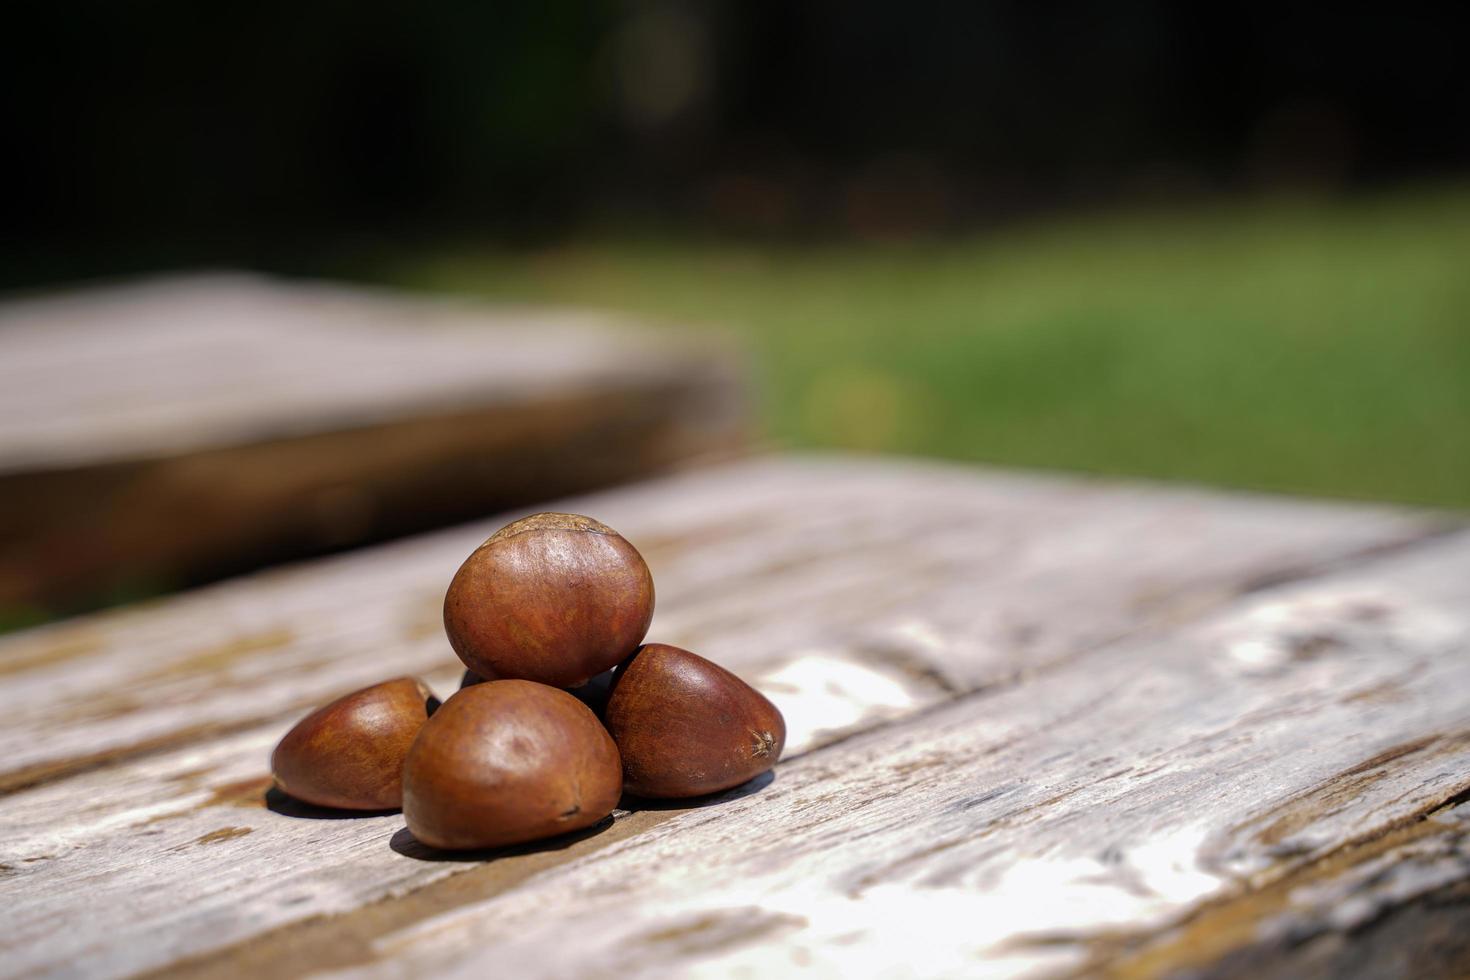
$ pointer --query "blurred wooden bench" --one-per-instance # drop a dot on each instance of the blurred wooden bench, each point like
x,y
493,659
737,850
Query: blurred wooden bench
x,y
1038,725
185,428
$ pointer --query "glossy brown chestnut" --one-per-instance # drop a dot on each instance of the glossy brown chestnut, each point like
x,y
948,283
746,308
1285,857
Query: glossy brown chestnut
x,y
685,726
555,598
350,753
505,762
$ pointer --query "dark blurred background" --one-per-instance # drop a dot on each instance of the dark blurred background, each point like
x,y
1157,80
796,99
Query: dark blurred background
x,y
157,132
1224,243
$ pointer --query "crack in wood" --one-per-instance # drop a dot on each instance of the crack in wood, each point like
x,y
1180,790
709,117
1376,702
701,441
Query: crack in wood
x,y
1301,811
1440,528
340,941
1220,936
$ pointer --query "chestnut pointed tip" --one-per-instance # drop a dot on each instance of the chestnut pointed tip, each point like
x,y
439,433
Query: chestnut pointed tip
x,y
549,520
687,727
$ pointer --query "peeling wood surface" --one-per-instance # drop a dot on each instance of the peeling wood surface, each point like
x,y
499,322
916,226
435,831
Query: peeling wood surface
x,y
1038,726
194,426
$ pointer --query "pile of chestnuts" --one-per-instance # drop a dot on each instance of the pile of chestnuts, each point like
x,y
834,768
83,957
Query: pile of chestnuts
x,y
562,707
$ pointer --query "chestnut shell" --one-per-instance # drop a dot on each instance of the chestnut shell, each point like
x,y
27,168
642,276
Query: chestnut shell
x,y
504,762
349,754
685,726
554,598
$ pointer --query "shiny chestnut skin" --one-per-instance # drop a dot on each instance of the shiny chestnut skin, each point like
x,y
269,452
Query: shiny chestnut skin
x,y
685,726
349,754
504,762
555,598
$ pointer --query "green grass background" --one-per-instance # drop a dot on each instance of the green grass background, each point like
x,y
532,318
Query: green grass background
x,y
1308,347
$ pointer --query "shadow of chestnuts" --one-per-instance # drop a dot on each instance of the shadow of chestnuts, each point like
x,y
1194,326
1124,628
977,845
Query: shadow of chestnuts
x,y
560,708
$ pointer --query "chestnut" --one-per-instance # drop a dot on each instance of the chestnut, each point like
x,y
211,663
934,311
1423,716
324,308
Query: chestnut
x,y
509,761
555,598
349,754
685,726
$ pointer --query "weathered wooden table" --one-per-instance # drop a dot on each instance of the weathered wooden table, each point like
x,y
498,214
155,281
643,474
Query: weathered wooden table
x,y
197,426
1036,725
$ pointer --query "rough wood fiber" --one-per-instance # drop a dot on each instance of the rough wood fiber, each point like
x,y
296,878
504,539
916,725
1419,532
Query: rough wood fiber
x,y
190,426
1097,736
1242,792
856,589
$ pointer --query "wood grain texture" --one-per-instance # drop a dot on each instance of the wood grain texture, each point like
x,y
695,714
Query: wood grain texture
x,y
1035,724
857,589
191,427
1089,820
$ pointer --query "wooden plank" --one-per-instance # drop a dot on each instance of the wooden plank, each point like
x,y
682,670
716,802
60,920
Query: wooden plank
x,y
1270,790
853,592
189,427
859,589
